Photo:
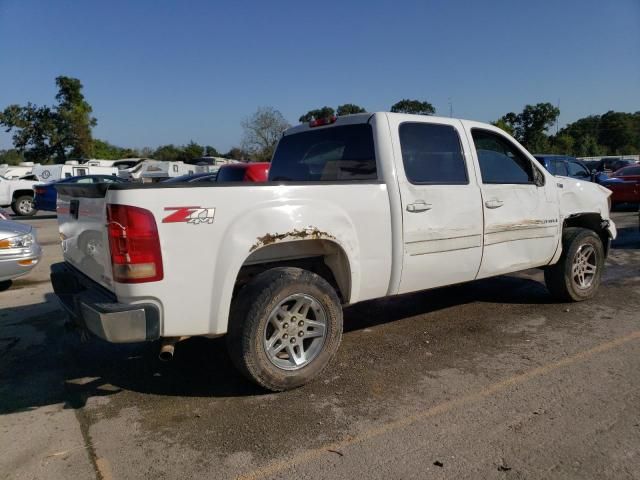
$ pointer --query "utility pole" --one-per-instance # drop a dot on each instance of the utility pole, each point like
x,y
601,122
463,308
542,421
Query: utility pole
x,y
450,108
558,118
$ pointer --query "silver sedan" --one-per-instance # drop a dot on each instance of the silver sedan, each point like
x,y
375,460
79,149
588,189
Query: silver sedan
x,y
19,251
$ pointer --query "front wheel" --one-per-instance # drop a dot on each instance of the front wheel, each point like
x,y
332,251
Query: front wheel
x,y
23,206
577,274
285,326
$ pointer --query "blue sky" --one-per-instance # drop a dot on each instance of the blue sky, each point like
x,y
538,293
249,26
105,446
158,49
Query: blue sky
x,y
161,72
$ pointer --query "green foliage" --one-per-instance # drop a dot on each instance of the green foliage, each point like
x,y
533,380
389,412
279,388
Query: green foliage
x,y
210,151
60,132
237,153
415,107
500,123
324,112
614,133
349,109
562,144
261,133
11,156
530,126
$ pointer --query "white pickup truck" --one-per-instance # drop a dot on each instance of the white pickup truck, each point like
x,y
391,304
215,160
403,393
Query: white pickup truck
x,y
358,207
18,194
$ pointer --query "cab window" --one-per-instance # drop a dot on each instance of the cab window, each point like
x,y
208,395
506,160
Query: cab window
x,y
432,154
501,161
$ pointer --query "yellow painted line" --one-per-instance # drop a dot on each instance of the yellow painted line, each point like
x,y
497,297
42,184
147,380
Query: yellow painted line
x,y
444,407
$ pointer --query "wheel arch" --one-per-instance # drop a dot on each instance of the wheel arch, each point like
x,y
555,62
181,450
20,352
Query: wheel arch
x,y
321,256
21,192
590,221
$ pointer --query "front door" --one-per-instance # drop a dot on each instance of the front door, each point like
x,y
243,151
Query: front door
x,y
441,203
521,224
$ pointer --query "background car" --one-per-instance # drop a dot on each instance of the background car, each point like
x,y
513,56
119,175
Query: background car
x,y
46,195
19,251
244,172
612,164
565,166
625,185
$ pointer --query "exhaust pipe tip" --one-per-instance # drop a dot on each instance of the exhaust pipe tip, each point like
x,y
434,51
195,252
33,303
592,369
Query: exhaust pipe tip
x,y
166,354
168,347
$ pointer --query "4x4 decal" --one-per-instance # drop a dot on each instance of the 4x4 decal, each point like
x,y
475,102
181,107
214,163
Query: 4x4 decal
x,y
194,215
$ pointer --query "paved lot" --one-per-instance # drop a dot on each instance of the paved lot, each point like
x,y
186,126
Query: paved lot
x,y
486,380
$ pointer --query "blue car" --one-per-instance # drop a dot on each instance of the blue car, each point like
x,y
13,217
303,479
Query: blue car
x,y
565,166
47,196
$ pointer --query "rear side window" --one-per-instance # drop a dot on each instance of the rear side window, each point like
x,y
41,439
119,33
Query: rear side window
x,y
432,154
500,160
577,170
327,154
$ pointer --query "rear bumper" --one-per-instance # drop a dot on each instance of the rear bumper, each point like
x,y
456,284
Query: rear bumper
x,y
98,310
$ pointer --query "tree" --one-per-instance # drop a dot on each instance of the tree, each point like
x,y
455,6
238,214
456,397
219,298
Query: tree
x,y
210,151
75,121
190,151
530,126
237,153
324,112
59,132
11,157
104,150
261,133
562,144
169,153
500,123
349,109
415,107
617,132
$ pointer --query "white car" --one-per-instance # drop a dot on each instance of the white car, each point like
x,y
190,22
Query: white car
x,y
19,251
18,194
358,207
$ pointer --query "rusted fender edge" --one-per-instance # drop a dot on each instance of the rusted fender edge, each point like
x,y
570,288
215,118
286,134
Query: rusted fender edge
x,y
311,233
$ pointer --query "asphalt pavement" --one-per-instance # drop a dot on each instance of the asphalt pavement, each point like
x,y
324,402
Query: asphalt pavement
x,y
491,379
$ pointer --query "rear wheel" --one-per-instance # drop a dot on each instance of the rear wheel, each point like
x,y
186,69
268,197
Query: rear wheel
x,y
285,327
23,206
577,274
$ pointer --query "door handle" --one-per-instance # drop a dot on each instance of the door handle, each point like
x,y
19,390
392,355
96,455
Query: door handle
x,y
493,203
418,206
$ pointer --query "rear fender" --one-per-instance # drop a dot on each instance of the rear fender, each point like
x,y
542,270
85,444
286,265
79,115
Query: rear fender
x,y
272,223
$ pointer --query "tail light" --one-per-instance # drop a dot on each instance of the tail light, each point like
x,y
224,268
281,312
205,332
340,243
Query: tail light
x,y
134,244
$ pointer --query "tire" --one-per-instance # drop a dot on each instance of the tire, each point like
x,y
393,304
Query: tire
x,y
582,249
23,206
269,313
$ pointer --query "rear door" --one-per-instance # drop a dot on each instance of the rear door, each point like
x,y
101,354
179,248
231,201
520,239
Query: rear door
x,y
441,203
521,225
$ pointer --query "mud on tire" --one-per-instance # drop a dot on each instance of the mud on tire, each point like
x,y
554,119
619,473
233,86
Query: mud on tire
x,y
284,328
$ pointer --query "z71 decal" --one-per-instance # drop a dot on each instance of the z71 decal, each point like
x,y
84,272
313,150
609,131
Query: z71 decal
x,y
194,215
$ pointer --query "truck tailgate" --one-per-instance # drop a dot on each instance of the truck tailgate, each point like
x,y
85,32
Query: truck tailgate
x,y
82,224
